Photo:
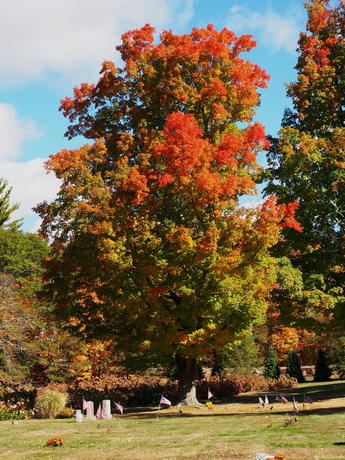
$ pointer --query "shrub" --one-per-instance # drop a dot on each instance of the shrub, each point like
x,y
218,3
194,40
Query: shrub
x,y
235,384
336,350
218,367
50,403
272,370
137,390
293,367
322,370
18,394
13,412
66,412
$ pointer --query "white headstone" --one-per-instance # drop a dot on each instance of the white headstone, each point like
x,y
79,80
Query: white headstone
x,y
106,406
90,411
79,417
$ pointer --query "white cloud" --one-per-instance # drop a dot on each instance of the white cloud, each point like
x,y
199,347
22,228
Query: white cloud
x,y
30,184
269,28
187,13
28,179
14,132
251,203
73,37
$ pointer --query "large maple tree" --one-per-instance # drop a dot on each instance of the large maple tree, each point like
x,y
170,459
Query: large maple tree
x,y
307,164
150,245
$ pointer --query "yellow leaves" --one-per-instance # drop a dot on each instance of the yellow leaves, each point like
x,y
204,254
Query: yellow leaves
x,y
145,345
287,339
181,237
80,358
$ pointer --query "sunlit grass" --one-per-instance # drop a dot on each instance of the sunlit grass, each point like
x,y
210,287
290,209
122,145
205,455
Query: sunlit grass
x,y
233,431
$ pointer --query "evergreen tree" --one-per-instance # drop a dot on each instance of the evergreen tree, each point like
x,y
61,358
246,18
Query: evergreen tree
x,y
272,370
322,370
6,209
293,367
218,367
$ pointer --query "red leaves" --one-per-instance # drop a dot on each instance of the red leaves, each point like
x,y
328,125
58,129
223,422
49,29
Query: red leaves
x,y
188,160
281,214
201,69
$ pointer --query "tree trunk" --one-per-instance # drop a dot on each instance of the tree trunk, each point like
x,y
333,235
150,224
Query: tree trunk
x,y
187,374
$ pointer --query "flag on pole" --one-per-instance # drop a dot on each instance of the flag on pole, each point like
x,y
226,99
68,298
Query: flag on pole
x,y
295,408
85,404
209,394
164,401
261,402
306,399
119,407
266,401
281,399
100,413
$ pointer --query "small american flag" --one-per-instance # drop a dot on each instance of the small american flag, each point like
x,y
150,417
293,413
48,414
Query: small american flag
x,y
306,399
266,401
281,399
295,408
261,402
119,407
100,413
209,394
164,401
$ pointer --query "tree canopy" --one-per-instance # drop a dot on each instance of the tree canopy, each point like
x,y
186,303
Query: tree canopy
x,y
150,246
306,163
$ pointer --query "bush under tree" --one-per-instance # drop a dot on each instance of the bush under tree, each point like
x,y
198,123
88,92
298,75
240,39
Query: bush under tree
x,y
322,369
293,367
51,403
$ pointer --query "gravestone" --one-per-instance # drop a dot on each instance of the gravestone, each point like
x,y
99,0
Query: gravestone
x,y
90,411
106,406
79,417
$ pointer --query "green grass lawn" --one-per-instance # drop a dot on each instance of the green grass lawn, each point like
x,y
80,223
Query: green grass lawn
x,y
236,430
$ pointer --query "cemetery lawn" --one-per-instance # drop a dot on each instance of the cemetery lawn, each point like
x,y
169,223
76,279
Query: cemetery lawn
x,y
231,430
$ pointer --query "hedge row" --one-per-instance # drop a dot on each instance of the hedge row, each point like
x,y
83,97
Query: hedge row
x,y
137,390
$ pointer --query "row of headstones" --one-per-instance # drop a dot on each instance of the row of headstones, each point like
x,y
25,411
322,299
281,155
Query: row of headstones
x,y
90,411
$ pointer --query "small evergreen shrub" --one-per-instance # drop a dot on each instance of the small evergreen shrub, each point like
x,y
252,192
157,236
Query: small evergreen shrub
x,y
272,370
50,403
293,367
322,370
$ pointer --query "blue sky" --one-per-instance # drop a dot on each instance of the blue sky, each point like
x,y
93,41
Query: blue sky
x,y
47,47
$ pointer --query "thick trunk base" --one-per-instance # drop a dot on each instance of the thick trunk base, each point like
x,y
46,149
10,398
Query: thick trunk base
x,y
187,372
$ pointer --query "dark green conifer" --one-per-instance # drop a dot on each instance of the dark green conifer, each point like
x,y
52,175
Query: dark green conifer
x,y
322,370
271,364
293,367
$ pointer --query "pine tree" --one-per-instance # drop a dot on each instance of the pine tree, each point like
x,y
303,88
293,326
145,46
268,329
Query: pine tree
x,y
6,209
272,370
293,367
322,370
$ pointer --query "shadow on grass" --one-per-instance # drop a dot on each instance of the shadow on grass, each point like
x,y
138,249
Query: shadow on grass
x,y
315,391
258,413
